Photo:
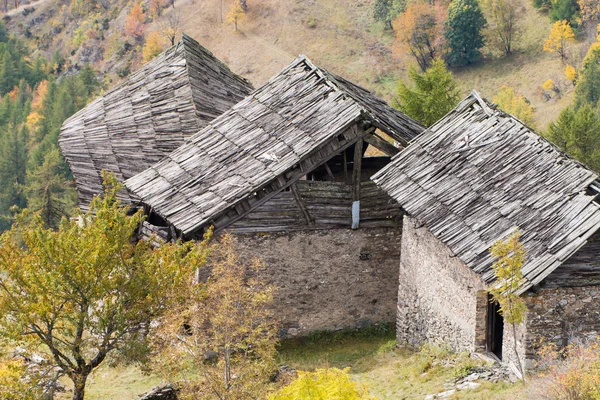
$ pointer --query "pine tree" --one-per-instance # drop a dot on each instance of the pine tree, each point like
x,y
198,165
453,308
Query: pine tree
x,y
7,73
13,161
47,191
587,90
433,96
577,131
464,32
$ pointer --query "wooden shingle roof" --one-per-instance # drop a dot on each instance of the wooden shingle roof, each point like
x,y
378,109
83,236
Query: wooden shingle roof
x,y
148,115
281,131
479,173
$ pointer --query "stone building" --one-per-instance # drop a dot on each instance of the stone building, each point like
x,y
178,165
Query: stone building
x,y
286,169
470,180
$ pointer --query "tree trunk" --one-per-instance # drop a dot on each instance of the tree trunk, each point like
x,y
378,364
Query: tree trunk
x,y
79,387
227,371
514,329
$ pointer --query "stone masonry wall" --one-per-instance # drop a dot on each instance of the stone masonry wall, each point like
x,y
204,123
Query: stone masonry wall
x,y
329,279
438,293
561,316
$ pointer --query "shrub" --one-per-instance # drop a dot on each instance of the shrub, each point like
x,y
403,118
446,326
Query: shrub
x,y
323,384
573,372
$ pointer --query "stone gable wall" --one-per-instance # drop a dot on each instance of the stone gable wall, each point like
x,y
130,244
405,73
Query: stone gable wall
x,y
561,316
329,279
438,293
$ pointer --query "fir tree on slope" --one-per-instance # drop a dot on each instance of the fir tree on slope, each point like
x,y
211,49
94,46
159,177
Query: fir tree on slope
x,y
464,32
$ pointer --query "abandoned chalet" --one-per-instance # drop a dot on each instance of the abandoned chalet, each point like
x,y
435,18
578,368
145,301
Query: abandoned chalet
x,y
287,169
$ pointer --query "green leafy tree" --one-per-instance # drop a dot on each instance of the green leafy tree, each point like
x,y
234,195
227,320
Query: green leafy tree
x,y
86,290
323,384
219,341
510,257
464,32
433,95
387,10
577,131
503,17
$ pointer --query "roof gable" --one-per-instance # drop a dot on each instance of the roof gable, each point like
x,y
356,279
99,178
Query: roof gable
x,y
296,120
479,173
147,116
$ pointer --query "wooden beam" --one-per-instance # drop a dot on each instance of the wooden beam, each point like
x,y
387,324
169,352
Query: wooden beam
x,y
343,141
356,172
345,167
329,173
382,145
300,202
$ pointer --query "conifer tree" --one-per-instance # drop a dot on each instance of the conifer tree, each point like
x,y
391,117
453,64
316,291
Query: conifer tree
x,y
434,94
47,190
464,32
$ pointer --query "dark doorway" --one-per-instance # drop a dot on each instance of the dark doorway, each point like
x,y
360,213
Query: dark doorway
x,y
495,328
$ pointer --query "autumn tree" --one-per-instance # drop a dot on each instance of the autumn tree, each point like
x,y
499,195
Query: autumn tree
x,y
571,74
503,22
560,35
155,8
219,341
86,290
577,132
515,104
235,14
464,32
433,95
510,258
169,29
153,47
134,23
419,32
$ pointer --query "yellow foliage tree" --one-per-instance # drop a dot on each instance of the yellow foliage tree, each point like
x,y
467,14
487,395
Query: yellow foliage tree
x,y
560,35
510,258
323,384
236,13
219,340
134,23
38,96
153,47
571,73
515,104
548,85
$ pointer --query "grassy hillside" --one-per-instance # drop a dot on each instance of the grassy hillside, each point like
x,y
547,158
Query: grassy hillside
x,y
335,34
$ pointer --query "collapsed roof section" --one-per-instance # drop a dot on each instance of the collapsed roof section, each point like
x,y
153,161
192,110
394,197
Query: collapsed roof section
x,y
148,115
292,124
478,174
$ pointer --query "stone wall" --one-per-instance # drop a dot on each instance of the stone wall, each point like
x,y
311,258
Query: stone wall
x,y
561,316
329,279
438,293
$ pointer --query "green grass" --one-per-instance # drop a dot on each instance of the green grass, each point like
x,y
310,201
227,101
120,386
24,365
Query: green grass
x,y
371,354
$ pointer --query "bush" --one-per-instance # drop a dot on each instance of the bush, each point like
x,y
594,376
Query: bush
x,y
574,372
323,384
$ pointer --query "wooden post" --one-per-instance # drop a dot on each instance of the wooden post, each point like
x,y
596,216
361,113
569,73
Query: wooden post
x,y
329,173
345,167
356,169
307,216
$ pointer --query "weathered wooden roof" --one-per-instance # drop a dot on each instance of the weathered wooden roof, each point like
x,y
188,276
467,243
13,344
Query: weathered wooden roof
x,y
303,112
479,173
148,115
